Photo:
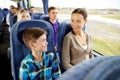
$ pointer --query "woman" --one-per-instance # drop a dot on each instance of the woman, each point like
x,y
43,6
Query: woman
x,y
24,15
77,43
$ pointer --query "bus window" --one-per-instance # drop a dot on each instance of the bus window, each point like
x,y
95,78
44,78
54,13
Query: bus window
x,y
38,5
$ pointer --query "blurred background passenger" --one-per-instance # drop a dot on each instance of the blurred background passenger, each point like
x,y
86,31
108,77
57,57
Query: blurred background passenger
x,y
9,15
32,10
24,15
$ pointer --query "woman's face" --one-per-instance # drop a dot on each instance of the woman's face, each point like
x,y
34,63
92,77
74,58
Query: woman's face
x,y
77,21
25,16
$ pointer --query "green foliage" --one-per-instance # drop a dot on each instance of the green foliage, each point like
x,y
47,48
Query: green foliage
x,y
113,16
106,47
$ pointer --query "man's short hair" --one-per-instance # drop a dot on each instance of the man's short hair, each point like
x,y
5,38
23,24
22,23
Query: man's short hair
x,y
32,7
51,8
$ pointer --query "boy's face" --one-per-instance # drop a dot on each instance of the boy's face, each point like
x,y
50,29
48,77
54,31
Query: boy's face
x,y
41,44
53,14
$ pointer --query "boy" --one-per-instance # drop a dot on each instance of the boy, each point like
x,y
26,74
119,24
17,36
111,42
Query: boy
x,y
38,65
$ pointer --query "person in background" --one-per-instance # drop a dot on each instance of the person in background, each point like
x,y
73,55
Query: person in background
x,y
77,46
10,15
32,10
24,15
53,19
38,65
15,16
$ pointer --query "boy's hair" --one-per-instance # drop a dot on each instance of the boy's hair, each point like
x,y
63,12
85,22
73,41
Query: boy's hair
x,y
51,8
81,11
32,34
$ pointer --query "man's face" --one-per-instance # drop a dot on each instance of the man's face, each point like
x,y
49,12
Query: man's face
x,y
32,10
53,14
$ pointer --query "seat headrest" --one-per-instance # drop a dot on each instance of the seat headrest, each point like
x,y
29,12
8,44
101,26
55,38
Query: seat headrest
x,y
36,16
27,24
45,17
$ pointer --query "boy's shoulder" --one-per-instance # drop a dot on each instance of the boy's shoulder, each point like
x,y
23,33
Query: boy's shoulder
x,y
27,58
50,54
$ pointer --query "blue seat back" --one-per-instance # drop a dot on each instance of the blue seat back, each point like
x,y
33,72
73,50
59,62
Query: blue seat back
x,y
1,26
107,70
45,17
1,16
36,16
11,17
64,28
86,70
5,12
19,49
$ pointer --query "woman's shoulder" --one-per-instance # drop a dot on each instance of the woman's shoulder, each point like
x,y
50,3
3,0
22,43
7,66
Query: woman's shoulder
x,y
88,34
70,34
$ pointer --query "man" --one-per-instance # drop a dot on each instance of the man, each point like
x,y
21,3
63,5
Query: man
x,y
53,15
9,17
32,10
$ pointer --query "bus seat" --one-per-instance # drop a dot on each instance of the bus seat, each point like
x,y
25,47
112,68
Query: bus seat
x,y
1,14
63,29
80,71
13,20
17,46
107,70
1,26
14,17
5,12
45,17
1,17
36,16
